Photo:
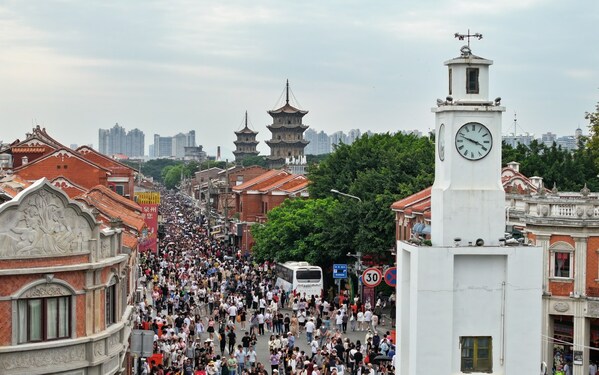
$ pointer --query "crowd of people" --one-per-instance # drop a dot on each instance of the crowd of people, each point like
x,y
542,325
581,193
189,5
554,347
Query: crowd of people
x,y
209,307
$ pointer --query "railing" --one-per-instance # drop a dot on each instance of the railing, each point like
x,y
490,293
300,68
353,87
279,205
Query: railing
x,y
564,210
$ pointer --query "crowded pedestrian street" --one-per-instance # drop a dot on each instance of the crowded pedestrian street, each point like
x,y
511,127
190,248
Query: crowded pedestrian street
x,y
214,311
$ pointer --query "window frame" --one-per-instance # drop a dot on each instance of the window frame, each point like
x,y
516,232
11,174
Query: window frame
x,y
561,247
476,367
44,319
110,305
470,81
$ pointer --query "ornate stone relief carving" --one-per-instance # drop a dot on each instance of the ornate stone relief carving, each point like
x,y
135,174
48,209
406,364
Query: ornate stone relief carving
x,y
42,358
42,225
46,290
593,309
99,348
561,307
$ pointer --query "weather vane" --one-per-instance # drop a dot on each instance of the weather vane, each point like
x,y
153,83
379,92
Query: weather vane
x,y
468,36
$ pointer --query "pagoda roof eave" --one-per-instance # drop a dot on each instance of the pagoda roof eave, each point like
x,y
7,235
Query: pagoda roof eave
x,y
287,126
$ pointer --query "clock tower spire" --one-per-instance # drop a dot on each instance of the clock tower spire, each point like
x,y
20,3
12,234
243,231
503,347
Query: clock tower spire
x,y
465,302
467,196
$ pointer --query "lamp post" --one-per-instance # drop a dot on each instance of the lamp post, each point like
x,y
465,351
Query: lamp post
x,y
358,269
358,254
335,191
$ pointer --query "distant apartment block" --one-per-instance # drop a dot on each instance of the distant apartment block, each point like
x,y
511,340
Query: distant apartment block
x,y
514,140
117,140
173,147
322,143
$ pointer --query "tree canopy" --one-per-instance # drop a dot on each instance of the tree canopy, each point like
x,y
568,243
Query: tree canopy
x,y
379,169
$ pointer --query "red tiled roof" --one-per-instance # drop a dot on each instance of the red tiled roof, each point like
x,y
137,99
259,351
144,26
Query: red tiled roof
x,y
113,206
130,240
64,151
412,199
257,180
68,186
28,150
102,159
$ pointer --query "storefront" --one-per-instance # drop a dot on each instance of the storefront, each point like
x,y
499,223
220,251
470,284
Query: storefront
x,y
563,337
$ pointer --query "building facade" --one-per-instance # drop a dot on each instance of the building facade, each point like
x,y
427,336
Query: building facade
x,y
287,142
64,288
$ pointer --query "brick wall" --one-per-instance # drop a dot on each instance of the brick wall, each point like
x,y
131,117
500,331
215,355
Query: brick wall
x,y
76,170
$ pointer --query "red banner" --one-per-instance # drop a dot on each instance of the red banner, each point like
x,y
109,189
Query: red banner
x,y
149,239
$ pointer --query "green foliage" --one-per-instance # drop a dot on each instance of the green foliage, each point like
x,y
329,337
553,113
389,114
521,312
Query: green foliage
x,y
259,160
379,169
302,229
171,175
567,170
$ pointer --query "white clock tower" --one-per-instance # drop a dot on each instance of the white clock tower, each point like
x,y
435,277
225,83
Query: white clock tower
x,y
468,200
469,303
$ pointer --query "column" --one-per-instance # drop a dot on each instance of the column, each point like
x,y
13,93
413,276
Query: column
x,y
547,346
581,323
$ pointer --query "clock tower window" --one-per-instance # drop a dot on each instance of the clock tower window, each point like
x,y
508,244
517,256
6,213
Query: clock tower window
x,y
450,78
472,80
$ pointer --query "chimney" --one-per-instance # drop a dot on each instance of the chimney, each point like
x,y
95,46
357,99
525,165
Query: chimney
x,y
514,165
537,182
218,153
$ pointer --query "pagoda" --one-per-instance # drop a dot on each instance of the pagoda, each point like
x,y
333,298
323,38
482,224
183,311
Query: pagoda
x,y
287,143
246,142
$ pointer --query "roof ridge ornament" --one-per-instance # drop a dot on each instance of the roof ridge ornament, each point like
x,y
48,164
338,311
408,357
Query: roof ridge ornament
x,y
466,51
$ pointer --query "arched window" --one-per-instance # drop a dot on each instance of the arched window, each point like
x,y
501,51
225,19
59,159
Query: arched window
x,y
111,302
44,312
562,260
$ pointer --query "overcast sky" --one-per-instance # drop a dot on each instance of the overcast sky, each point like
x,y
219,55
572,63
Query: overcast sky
x,y
172,66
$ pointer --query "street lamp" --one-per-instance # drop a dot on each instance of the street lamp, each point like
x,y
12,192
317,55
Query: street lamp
x,y
358,269
335,191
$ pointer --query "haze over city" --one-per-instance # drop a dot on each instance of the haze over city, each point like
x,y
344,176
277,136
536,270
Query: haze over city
x,y
168,67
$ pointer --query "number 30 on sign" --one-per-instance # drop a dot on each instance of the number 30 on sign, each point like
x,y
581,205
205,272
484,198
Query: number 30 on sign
x,y
372,277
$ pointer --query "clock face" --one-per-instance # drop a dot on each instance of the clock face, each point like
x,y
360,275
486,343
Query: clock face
x,y
473,141
441,142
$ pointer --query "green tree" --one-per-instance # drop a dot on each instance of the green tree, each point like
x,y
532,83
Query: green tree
x,y
300,229
171,175
259,160
379,169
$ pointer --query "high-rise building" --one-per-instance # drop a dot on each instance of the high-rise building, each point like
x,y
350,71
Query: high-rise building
x,y
287,142
337,138
548,138
117,140
173,147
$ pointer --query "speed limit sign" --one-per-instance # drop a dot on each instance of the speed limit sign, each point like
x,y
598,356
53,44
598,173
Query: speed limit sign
x,y
372,277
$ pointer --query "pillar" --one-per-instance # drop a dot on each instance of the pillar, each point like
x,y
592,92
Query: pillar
x,y
581,323
547,346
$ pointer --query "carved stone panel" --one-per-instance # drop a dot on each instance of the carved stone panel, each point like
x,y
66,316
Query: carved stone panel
x,y
42,223
593,309
42,358
561,307
46,290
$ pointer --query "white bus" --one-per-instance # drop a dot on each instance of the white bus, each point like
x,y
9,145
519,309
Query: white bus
x,y
300,278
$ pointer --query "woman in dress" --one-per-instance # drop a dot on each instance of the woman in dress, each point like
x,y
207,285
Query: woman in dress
x,y
294,326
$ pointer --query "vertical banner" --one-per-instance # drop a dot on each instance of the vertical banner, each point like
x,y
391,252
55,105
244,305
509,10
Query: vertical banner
x,y
149,202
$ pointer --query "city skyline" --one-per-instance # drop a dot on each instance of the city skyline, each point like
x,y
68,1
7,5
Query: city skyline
x,y
170,67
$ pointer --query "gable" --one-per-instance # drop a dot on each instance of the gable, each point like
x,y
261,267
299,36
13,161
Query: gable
x,y
41,221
